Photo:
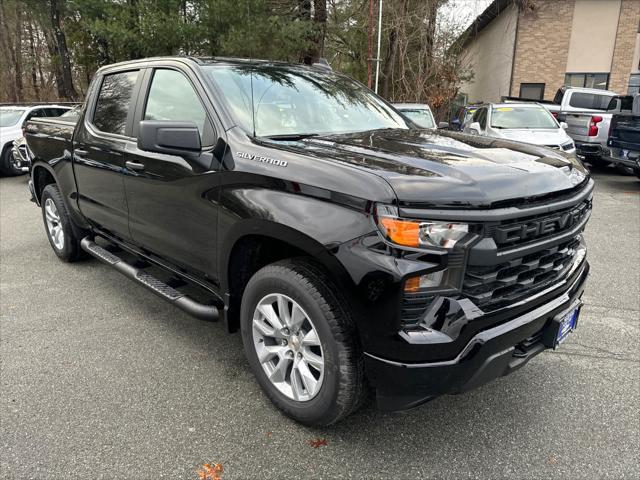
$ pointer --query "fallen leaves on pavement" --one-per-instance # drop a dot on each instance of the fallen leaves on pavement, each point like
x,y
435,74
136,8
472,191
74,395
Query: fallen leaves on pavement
x,y
210,472
318,442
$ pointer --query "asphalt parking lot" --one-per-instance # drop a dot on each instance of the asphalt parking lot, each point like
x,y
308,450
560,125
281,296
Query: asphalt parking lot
x,y
101,379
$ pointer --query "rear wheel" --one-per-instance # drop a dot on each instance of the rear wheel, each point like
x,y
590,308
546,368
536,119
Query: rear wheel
x,y
7,168
300,341
58,224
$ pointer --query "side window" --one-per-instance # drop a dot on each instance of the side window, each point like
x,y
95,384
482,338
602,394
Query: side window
x,y
38,112
55,112
476,115
114,99
481,117
172,97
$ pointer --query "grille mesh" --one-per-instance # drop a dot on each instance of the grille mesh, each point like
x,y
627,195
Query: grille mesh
x,y
510,281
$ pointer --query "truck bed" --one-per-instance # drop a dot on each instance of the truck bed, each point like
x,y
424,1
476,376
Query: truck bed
x,y
50,137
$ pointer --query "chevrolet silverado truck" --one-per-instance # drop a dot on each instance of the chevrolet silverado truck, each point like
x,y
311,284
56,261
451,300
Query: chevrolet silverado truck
x,y
590,130
358,256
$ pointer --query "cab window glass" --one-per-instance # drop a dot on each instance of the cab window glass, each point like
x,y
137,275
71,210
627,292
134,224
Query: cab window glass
x,y
171,97
481,117
114,101
38,112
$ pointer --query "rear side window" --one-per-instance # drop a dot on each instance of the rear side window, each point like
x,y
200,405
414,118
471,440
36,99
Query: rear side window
x,y
55,112
171,97
592,101
113,103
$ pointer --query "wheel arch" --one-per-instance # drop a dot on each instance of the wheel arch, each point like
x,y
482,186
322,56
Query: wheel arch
x,y
42,175
253,244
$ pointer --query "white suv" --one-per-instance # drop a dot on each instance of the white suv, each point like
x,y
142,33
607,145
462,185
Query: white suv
x,y
12,120
522,122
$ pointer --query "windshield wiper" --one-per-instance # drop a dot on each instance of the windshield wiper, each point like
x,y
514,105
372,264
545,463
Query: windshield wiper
x,y
291,136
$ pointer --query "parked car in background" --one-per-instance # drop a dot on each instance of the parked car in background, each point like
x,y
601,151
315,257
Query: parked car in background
x,y
522,122
575,99
571,99
418,113
12,122
590,130
20,157
462,117
624,138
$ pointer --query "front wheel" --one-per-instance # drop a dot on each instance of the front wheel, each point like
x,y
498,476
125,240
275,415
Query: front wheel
x,y
300,341
58,225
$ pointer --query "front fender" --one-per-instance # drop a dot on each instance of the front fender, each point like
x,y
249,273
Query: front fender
x,y
310,224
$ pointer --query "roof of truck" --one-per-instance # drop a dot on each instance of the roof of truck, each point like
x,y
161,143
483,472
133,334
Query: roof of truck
x,y
211,61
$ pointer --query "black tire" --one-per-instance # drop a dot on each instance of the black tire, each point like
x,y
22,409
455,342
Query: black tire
x,y
597,162
7,168
343,389
624,170
70,251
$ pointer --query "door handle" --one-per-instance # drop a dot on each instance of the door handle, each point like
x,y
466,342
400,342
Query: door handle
x,y
79,151
137,166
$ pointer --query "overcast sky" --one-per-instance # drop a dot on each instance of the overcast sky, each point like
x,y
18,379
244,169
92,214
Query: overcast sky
x,y
464,11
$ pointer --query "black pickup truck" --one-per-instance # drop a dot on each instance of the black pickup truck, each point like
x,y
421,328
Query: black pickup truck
x,y
624,138
357,254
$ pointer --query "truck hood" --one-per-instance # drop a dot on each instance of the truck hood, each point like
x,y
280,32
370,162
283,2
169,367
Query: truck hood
x,y
442,168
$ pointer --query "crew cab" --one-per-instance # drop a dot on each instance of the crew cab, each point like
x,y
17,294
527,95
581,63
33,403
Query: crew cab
x,y
357,255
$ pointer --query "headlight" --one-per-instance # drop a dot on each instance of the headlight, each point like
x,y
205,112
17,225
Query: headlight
x,y
418,233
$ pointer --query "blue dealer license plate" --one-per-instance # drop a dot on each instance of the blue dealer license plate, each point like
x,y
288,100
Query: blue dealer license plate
x,y
567,325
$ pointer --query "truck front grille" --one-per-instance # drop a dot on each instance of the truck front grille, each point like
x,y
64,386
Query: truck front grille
x,y
510,233
499,285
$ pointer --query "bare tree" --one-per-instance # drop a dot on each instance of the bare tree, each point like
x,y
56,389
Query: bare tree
x,y
67,90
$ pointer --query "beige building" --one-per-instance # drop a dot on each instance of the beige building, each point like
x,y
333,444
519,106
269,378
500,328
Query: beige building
x,y
530,48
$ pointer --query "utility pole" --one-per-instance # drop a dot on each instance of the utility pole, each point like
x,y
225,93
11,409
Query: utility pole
x,y
370,45
379,40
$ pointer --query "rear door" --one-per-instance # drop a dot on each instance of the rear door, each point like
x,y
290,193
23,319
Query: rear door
x,y
173,211
99,146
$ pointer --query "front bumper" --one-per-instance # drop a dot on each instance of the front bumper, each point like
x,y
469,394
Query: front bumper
x,y
627,158
20,158
490,354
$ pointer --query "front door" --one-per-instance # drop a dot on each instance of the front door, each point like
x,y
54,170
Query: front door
x,y
172,210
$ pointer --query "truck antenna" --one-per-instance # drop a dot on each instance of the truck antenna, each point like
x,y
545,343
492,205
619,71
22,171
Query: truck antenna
x,y
253,110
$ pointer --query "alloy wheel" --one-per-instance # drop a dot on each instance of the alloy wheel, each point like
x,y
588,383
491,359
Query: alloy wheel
x,y
54,225
288,347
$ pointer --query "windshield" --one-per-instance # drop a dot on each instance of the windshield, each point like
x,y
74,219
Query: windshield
x,y
421,117
292,100
10,116
522,117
